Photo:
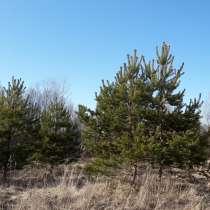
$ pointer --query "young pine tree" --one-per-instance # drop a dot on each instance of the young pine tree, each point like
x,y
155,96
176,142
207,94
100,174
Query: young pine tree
x,y
19,125
60,134
174,135
142,114
112,132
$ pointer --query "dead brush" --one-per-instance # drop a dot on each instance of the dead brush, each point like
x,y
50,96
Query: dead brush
x,y
75,192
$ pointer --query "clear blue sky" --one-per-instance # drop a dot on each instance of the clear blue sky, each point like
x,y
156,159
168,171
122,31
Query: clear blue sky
x,y
82,42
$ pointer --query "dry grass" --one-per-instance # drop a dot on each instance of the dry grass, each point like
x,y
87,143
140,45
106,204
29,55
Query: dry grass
x,y
73,191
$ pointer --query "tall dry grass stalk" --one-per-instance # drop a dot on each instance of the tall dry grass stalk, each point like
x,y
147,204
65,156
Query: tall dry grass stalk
x,y
75,192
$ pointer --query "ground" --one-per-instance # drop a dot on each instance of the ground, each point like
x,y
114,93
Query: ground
x,y
40,187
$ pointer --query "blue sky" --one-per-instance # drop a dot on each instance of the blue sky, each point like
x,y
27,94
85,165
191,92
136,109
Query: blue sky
x,y
81,42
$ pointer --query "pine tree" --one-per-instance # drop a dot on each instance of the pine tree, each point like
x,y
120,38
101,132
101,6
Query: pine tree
x,y
19,125
142,115
60,134
110,132
173,126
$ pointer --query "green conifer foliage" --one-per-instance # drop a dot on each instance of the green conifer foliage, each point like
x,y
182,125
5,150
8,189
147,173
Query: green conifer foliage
x,y
112,132
19,125
173,126
142,115
60,134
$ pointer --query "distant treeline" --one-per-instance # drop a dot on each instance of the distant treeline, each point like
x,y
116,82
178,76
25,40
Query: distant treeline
x,y
140,116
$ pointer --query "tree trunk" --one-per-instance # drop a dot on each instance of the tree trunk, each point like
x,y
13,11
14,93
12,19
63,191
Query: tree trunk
x,y
189,173
160,173
135,173
5,166
5,170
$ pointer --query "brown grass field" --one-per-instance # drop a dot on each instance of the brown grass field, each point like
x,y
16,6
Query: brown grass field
x,y
67,188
